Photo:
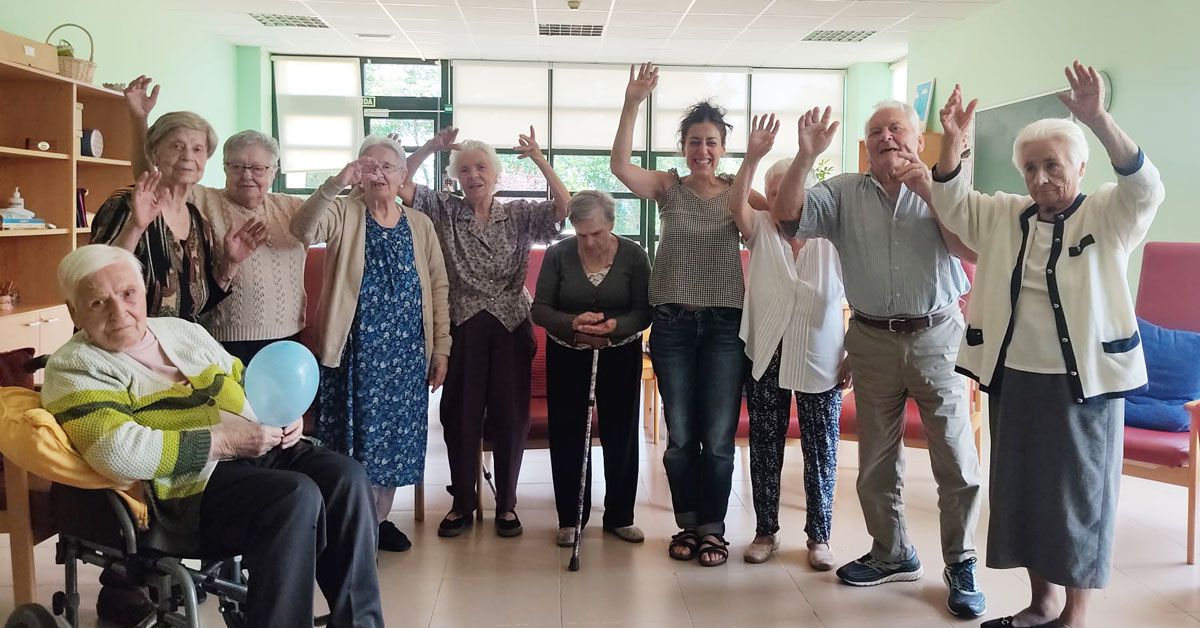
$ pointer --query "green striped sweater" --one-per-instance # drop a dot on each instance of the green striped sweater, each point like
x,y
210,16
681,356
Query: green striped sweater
x,y
131,424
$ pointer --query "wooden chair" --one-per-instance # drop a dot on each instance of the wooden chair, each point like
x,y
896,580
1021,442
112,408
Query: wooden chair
x,y
314,277
1169,296
26,515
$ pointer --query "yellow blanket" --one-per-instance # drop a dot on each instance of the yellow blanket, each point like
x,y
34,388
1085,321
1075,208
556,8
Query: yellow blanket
x,y
34,441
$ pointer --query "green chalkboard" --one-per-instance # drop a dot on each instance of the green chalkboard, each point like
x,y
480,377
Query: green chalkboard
x,y
995,130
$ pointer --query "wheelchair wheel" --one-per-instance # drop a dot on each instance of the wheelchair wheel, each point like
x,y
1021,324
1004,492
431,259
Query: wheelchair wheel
x,y
32,616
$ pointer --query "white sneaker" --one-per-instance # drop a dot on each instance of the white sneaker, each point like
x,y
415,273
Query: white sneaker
x,y
762,548
565,537
629,534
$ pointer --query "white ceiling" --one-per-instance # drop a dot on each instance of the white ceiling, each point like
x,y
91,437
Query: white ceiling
x,y
692,32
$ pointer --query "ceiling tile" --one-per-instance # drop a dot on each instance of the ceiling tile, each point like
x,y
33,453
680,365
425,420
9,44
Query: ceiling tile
x,y
824,8
496,4
728,7
503,28
950,9
717,21
705,34
499,15
402,12
345,9
654,6
788,22
645,19
571,17
874,8
922,24
639,33
859,23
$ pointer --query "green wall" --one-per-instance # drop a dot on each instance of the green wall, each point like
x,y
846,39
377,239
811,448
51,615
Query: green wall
x,y
866,85
1018,49
253,89
198,71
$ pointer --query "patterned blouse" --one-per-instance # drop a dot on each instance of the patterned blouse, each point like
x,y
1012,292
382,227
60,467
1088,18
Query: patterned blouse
x,y
486,264
179,274
698,260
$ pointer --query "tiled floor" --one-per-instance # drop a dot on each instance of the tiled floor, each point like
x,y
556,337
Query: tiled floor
x,y
481,580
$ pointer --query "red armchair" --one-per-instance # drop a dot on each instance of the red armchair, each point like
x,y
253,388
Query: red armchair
x,y
1169,296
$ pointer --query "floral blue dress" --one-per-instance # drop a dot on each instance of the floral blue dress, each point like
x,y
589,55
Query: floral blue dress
x,y
374,405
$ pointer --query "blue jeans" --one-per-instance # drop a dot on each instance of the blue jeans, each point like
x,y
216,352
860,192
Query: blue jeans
x,y
700,364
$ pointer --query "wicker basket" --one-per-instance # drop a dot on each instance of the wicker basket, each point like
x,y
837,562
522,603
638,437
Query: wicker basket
x,y
75,68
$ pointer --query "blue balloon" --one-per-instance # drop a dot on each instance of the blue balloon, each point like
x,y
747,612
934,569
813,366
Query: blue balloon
x,y
281,382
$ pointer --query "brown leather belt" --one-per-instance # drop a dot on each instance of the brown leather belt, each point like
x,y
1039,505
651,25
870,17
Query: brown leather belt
x,y
904,325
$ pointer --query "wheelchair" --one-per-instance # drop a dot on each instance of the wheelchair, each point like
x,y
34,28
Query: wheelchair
x,y
97,528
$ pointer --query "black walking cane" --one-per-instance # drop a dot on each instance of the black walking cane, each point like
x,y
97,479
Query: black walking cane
x,y
587,455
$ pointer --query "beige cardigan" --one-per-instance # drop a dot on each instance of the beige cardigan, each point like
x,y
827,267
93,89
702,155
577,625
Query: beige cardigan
x,y
323,218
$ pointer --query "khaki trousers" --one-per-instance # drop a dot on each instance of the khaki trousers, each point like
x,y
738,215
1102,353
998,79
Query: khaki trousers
x,y
889,367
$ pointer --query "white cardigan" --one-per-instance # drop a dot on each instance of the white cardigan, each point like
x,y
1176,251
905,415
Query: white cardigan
x,y
1086,276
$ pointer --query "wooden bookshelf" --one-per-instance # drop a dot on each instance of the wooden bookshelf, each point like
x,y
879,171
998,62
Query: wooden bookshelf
x,y
41,106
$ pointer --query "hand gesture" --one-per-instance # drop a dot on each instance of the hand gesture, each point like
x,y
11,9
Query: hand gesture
x,y
529,147
139,101
292,434
446,139
361,170
639,87
437,371
238,437
603,328
1086,98
955,119
585,319
762,136
148,200
816,132
595,342
915,174
240,243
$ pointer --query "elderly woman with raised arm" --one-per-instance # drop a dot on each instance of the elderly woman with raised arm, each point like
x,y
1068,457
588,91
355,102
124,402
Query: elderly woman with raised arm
x,y
185,274
384,322
696,291
158,401
792,327
266,301
1052,336
591,295
486,247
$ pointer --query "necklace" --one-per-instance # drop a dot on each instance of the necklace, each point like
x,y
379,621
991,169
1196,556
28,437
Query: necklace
x,y
606,258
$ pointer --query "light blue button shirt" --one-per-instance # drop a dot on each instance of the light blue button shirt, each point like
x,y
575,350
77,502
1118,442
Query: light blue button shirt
x,y
894,261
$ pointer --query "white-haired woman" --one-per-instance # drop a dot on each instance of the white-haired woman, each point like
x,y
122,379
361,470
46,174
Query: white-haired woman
x,y
384,322
792,327
158,402
266,302
486,246
592,293
1051,335
186,275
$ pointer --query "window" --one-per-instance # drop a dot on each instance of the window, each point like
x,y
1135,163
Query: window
x,y
495,102
587,107
413,133
788,94
680,88
318,111
900,80
412,80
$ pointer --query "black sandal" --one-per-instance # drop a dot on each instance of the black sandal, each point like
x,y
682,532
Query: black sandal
x,y
684,545
720,547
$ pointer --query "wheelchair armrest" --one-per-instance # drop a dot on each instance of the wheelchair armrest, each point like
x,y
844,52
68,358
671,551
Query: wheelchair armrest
x,y
96,515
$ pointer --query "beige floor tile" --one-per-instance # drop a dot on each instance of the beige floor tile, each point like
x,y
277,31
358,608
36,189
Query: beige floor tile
x,y
722,597
498,600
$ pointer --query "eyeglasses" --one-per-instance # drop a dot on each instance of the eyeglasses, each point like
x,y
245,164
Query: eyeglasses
x,y
257,170
388,168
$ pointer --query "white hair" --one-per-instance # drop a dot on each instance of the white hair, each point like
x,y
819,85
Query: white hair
x,y
913,119
780,168
85,261
584,203
250,137
470,145
1061,129
388,143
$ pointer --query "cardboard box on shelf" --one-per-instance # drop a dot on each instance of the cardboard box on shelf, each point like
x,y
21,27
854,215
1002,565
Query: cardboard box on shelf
x,y
28,52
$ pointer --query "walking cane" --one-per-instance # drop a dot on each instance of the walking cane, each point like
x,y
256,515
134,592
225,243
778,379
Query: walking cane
x,y
587,451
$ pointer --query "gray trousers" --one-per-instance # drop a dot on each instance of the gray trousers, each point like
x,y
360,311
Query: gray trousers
x,y
889,367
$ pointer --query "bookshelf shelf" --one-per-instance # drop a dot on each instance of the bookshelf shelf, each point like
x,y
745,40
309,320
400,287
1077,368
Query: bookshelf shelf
x,y
31,233
20,153
101,161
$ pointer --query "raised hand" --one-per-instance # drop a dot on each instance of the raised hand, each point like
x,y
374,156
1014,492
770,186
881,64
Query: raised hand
x,y
1086,98
762,136
361,170
446,139
640,86
955,119
147,200
240,243
528,147
139,100
915,174
816,131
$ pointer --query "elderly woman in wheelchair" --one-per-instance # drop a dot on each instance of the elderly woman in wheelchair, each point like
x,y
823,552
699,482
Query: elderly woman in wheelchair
x,y
158,402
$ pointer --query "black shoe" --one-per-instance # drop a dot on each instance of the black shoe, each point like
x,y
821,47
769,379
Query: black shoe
x,y
508,527
454,527
391,539
122,605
